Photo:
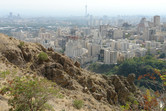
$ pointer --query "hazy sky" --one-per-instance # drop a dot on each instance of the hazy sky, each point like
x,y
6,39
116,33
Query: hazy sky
x,y
77,7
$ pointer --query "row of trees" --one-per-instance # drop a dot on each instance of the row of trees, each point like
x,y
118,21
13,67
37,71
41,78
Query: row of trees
x,y
138,66
141,66
149,71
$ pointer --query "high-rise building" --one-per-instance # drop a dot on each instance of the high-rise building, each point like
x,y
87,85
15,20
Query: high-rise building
x,y
156,20
93,49
110,57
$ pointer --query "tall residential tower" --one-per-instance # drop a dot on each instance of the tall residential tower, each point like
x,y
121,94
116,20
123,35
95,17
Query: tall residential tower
x,y
156,20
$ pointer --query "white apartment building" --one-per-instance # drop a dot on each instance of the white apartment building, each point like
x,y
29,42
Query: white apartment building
x,y
110,57
74,49
93,49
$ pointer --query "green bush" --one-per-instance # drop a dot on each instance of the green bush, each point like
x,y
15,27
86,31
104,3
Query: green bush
x,y
78,104
29,93
126,107
21,44
43,56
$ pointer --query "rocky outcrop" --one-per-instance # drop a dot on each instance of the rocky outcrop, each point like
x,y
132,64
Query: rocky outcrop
x,y
77,64
16,54
113,90
110,90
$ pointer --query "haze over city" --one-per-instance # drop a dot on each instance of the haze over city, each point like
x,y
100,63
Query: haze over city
x,y
63,8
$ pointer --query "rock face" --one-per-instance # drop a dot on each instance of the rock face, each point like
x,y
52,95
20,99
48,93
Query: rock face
x,y
110,90
10,48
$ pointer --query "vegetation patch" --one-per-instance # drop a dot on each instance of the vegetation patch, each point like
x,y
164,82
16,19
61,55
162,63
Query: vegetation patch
x,y
29,93
4,73
43,56
21,44
78,104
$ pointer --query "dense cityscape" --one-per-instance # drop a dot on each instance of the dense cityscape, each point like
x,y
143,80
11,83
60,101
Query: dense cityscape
x,y
91,39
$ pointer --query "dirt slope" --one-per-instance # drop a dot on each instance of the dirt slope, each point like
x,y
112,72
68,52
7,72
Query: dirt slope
x,y
99,92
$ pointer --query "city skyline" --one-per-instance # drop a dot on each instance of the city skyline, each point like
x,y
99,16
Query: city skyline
x,y
77,7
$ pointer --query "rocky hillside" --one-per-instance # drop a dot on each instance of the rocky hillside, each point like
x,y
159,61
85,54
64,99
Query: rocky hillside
x,y
99,92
